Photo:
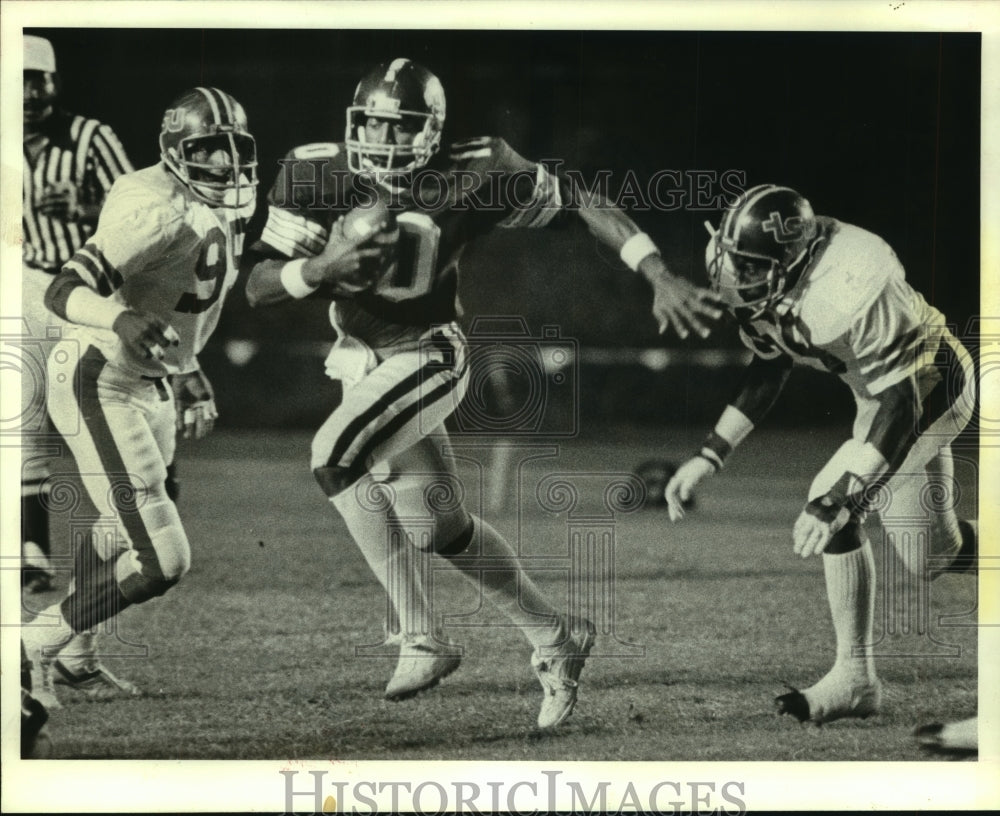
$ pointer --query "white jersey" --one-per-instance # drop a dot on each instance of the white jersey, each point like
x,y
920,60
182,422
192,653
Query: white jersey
x,y
158,249
851,313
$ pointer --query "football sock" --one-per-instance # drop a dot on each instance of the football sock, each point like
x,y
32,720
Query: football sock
x,y
850,589
48,632
80,653
967,559
491,563
97,595
397,565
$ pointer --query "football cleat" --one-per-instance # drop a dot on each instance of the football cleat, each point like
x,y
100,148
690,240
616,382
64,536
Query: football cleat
x,y
831,699
36,571
95,680
35,740
950,739
423,663
559,673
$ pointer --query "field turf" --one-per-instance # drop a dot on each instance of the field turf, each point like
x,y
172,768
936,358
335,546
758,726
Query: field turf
x,y
254,654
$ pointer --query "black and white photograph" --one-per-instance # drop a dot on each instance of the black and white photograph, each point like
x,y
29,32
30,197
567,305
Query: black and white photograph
x,y
438,407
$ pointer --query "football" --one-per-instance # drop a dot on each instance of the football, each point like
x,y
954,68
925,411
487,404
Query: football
x,y
374,226
365,221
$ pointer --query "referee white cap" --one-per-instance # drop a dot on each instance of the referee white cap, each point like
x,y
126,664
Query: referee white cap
x,y
39,54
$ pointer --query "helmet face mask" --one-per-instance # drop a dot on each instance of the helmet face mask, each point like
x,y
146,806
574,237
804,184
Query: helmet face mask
x,y
760,241
206,144
394,124
745,280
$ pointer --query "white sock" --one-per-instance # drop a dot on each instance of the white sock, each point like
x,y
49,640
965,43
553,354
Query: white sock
x,y
850,590
80,653
490,562
48,632
397,565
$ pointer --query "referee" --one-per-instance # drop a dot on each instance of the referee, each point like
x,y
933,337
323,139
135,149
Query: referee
x,y
70,163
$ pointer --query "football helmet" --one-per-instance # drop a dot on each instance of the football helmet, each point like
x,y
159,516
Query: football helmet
x,y
401,92
205,142
760,241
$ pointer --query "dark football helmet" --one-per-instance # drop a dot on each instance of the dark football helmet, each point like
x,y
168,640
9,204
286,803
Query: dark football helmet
x,y
198,125
760,241
400,92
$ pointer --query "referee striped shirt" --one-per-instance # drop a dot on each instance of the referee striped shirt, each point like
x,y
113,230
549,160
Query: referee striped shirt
x,y
78,151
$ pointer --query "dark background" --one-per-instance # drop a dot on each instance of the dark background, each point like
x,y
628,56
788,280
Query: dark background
x,y
879,130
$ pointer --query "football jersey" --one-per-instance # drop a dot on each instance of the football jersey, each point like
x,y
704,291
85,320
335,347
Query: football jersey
x,y
477,185
852,313
158,249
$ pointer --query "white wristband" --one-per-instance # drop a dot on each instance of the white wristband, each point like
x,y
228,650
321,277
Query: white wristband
x,y
292,280
733,425
636,249
87,308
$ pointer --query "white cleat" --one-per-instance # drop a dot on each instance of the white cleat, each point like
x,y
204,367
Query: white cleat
x,y
94,680
832,698
558,669
950,739
423,663
78,667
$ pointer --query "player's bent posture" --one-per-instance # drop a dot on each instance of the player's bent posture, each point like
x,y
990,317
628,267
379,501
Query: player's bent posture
x,y
390,266
143,295
811,289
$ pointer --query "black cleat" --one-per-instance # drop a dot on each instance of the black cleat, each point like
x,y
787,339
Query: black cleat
x,y
36,579
794,703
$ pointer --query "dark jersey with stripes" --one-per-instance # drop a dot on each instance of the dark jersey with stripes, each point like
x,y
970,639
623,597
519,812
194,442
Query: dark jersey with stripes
x,y
476,186
76,151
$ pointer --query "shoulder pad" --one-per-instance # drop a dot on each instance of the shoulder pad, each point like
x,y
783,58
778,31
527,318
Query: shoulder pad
x,y
146,205
855,266
315,150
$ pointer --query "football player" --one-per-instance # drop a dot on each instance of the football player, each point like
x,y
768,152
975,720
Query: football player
x,y
142,296
810,289
70,163
390,266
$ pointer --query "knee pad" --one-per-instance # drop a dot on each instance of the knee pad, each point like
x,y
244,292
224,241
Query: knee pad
x,y
334,480
167,557
846,539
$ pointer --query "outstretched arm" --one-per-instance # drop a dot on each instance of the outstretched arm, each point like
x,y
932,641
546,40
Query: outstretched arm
x,y
677,303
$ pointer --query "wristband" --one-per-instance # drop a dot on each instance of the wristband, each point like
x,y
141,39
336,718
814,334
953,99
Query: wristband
x,y
636,249
292,280
715,449
731,429
87,308
711,457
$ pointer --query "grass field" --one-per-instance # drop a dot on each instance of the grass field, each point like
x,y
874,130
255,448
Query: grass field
x,y
252,655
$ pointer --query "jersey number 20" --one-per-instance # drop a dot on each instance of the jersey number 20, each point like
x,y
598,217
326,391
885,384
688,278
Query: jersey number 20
x,y
416,260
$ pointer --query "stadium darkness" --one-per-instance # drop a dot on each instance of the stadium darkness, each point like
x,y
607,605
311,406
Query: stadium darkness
x,y
880,130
